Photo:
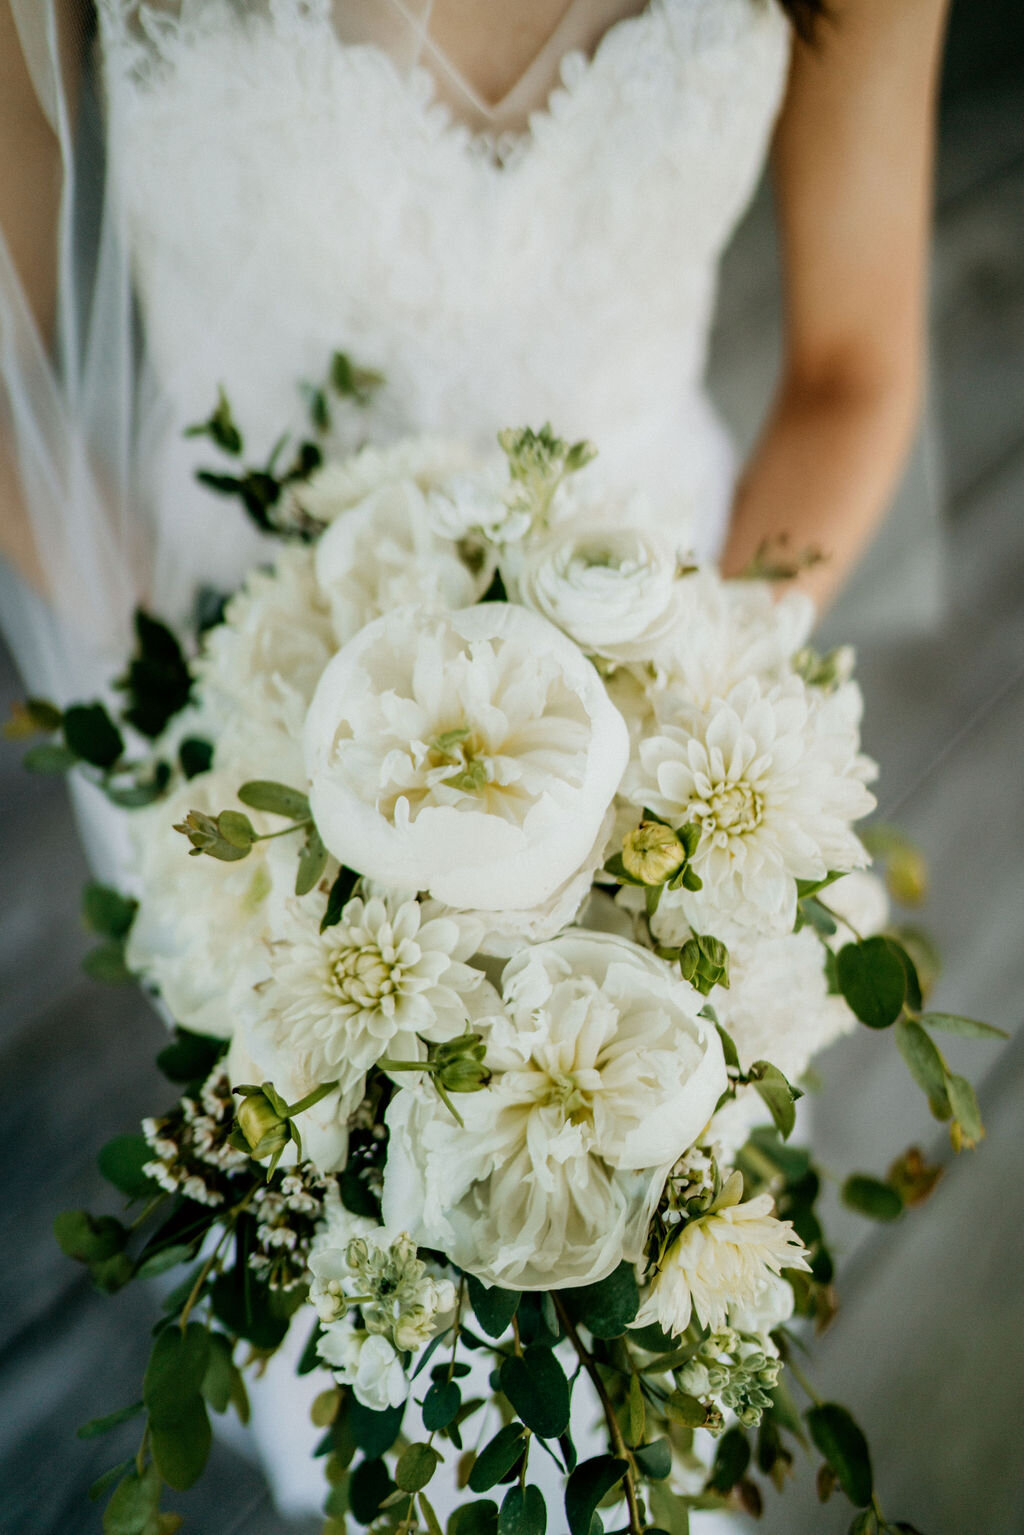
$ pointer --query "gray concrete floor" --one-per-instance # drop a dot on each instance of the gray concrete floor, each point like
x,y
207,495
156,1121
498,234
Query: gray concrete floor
x,y
928,1348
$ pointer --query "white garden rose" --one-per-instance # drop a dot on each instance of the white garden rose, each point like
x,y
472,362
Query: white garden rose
x,y
719,1262
383,555
258,670
471,754
603,1074
612,587
774,778
341,484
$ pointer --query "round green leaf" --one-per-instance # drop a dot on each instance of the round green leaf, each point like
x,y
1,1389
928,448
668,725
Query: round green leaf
x,y
277,798
374,1432
369,1486
92,735
845,1449
606,1308
181,1446
873,981
88,1238
416,1465
924,1064
121,1162
106,911
493,1307
536,1386
585,1488
871,1197
497,1458
479,1518
133,1510
523,1512
654,1459
441,1405
175,1372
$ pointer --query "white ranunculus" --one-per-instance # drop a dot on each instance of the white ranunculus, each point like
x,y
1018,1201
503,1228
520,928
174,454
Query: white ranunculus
x,y
199,932
258,670
341,484
384,555
612,588
471,754
603,1074
774,778
389,975
721,1261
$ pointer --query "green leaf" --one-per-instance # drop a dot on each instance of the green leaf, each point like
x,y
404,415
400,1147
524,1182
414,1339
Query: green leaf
x,y
121,1162
219,1380
654,1459
536,1386
220,427
181,1447
276,798
31,716
925,1065
88,1238
111,1274
374,1432
441,1405
778,1095
106,911
157,682
236,829
369,1487
586,1487
338,897
49,759
97,1426
479,1518
497,1458
523,1512
166,1258
869,1196
191,1057
637,1411
913,997
493,1307
312,862
195,756
106,964
134,1508
92,735
873,981
104,1483
686,1410
964,1104
175,1372
416,1465
606,1308
845,1449
731,1461
866,1523
430,1518
971,1028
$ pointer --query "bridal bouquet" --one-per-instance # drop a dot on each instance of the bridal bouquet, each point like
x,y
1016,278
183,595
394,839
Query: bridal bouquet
x,y
496,868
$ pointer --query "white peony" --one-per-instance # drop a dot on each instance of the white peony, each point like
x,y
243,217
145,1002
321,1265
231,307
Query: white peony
x,y
721,1261
258,670
612,588
383,555
603,1074
387,976
341,484
773,776
471,754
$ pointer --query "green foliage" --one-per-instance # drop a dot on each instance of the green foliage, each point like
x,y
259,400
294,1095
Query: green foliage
x,y
89,1238
195,756
219,427
338,896
778,1095
91,734
191,1057
312,862
493,1307
523,1512
841,1442
970,1028
374,1432
655,1459
134,1508
478,1518
121,1162
179,1426
732,1458
106,963
368,1489
158,683
276,798
587,1486
873,980
536,1386
416,1465
49,759
441,1405
704,962
606,1308
31,716
925,1065
106,912
98,1426
869,1196
497,1458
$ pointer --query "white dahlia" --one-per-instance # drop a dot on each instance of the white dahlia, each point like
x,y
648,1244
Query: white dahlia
x,y
603,1074
471,754
774,778
720,1261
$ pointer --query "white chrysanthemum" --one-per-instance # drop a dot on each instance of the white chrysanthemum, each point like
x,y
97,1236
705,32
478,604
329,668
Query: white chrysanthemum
x,y
728,631
383,555
720,1261
485,503
471,754
258,669
199,933
611,587
342,483
774,778
778,1007
388,975
603,1074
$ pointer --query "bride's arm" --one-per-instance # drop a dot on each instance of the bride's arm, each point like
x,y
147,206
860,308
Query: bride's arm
x,y
853,169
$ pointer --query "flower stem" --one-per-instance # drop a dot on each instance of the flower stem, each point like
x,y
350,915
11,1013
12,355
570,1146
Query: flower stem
x,y
618,1443
286,831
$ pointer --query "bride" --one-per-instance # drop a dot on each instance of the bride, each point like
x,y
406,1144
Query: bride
x,y
513,213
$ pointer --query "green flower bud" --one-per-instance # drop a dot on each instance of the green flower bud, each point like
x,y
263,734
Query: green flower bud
x,y
265,1129
653,853
704,962
459,1064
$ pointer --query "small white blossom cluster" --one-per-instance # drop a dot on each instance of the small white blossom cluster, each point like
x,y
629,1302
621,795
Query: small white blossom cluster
x,y
514,1064
191,1151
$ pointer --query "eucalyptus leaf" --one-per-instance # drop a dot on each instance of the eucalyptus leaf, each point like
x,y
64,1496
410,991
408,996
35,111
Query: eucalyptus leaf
x,y
121,1162
637,1411
312,863
181,1446
88,1238
369,1487
191,1057
441,1405
106,963
925,1065
964,1104
166,1258
106,911
869,1196
778,1095
587,1486
103,1483
338,896
49,758
375,1432
493,1307
416,1465
732,1458
430,1518
195,756
970,1028
607,1307
97,1426
175,1372
497,1458
873,980
523,1512
219,1379
844,1448
91,734
536,1386
134,1507
654,1459
276,798
478,1518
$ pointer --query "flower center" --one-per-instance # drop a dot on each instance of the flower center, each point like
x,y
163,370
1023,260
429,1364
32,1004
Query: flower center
x,y
564,1092
362,977
731,810
459,750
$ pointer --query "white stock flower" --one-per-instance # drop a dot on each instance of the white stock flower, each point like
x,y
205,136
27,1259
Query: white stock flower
x,y
471,754
389,973
773,777
382,554
611,587
397,1295
258,670
720,1261
342,483
603,1074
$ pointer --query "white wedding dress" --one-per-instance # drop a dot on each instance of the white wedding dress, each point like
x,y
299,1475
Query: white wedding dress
x,y
290,177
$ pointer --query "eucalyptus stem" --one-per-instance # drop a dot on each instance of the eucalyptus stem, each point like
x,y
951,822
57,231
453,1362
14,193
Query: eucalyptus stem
x,y
268,836
636,1523
801,1378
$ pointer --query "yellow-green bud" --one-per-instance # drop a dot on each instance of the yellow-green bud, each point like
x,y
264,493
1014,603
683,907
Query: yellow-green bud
x,y
653,853
906,875
464,1076
266,1131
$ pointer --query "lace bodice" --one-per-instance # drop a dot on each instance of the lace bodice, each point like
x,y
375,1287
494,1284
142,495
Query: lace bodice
x,y
286,193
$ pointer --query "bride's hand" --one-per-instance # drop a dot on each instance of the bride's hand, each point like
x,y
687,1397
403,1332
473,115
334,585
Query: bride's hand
x,y
853,170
